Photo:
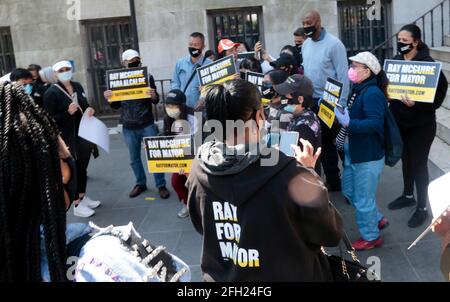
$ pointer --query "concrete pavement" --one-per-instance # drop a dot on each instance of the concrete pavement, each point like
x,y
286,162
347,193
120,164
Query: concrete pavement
x,y
111,179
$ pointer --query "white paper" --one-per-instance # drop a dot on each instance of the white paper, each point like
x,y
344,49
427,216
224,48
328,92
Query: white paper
x,y
95,131
5,78
439,195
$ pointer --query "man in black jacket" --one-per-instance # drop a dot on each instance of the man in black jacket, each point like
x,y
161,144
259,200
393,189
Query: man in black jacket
x,y
136,116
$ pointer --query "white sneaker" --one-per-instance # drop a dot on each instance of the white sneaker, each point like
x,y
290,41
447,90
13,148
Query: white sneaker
x,y
184,212
82,210
93,204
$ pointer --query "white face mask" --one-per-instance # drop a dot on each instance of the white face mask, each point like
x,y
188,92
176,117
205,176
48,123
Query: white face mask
x,y
173,113
65,76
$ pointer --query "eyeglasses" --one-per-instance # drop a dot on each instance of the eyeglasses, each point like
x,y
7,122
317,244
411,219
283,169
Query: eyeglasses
x,y
352,65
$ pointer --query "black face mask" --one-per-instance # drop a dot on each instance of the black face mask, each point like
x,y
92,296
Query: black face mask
x,y
134,64
310,31
243,75
195,53
404,48
299,47
268,92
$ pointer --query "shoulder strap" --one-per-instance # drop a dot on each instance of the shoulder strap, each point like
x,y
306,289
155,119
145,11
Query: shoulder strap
x,y
193,75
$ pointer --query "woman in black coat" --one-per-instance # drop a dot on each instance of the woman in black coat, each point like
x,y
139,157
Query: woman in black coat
x,y
417,124
66,102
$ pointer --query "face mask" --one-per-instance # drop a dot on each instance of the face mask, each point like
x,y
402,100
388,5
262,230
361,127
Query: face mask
x,y
243,74
290,108
65,76
267,91
310,31
173,113
195,53
28,89
134,64
299,47
353,76
404,48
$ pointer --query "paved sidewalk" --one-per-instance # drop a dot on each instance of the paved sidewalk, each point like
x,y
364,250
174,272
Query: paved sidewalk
x,y
111,179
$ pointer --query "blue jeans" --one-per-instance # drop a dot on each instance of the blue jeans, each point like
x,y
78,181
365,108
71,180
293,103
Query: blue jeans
x,y
134,140
359,185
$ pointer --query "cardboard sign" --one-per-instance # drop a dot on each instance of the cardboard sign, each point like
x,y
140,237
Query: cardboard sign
x,y
217,72
169,154
257,79
417,80
331,96
128,84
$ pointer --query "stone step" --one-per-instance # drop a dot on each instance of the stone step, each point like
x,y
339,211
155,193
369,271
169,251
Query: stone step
x,y
441,54
447,40
446,103
439,160
443,125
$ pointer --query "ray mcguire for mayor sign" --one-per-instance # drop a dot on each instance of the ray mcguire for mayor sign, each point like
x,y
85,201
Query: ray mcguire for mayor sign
x,y
128,84
169,154
417,80
218,72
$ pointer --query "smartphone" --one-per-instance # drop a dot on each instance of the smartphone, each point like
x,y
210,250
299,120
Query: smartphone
x,y
288,139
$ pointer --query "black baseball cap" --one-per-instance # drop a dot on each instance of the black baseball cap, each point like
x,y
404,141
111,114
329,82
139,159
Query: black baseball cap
x,y
175,97
285,59
297,83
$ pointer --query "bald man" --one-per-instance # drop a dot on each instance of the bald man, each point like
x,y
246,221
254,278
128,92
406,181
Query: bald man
x,y
325,56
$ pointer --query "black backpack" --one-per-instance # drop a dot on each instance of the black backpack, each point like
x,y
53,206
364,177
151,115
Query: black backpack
x,y
393,142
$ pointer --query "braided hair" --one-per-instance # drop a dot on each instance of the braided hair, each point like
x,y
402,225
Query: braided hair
x,y
31,190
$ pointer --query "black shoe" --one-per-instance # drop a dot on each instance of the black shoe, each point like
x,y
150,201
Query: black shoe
x,y
164,193
418,218
402,202
333,187
137,190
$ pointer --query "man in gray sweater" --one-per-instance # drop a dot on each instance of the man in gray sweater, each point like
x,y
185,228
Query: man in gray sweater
x,y
325,56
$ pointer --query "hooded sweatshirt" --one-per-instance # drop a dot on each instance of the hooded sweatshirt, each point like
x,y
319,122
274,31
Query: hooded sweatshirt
x,y
421,114
253,229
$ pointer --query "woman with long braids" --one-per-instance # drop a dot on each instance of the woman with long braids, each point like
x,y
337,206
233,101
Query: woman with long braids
x,y
31,190
36,189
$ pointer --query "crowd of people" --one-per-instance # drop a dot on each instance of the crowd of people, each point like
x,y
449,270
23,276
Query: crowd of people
x,y
259,223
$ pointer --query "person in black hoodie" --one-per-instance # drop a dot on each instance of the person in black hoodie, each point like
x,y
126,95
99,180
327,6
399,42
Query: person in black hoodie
x,y
66,102
261,220
417,124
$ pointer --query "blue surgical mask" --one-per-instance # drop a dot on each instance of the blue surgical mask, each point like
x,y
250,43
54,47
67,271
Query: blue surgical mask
x,y
65,76
289,108
28,89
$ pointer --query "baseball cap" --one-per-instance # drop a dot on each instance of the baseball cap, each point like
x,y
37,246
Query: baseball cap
x,y
175,97
226,44
285,59
296,83
368,59
62,64
130,54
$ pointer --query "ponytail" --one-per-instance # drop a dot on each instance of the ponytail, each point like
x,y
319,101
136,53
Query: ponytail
x,y
383,82
232,101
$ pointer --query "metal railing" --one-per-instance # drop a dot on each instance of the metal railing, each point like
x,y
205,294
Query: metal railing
x,y
440,14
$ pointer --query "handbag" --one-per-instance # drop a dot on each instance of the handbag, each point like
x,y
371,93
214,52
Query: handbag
x,y
344,270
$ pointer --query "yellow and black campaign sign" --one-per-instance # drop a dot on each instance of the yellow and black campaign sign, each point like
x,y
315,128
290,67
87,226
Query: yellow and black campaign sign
x,y
417,80
332,94
128,84
257,79
169,154
217,72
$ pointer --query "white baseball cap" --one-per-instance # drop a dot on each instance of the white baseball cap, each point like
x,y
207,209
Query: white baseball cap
x,y
368,59
130,54
62,64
